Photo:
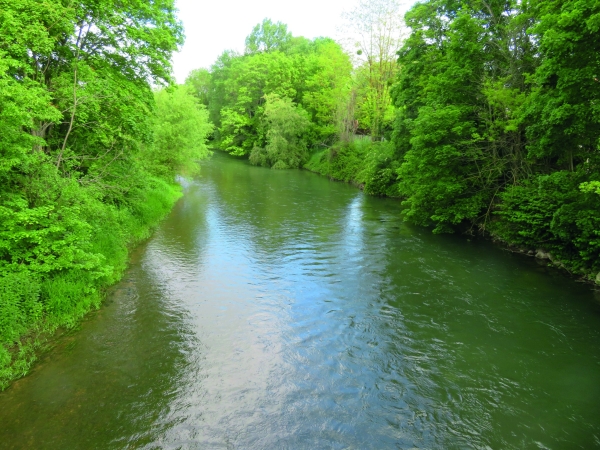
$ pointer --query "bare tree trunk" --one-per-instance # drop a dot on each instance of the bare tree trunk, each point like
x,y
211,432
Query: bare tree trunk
x,y
73,110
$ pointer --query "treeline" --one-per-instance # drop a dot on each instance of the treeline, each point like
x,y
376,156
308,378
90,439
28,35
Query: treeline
x,y
88,154
278,99
498,121
286,96
483,116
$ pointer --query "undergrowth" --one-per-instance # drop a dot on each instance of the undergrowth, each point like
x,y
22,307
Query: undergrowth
x,y
36,300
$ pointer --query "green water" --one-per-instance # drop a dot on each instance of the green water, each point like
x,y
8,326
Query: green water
x,y
277,309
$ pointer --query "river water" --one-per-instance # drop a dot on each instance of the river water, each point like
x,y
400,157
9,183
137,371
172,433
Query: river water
x,y
280,310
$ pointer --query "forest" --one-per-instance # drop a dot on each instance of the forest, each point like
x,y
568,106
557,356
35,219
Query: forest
x,y
481,117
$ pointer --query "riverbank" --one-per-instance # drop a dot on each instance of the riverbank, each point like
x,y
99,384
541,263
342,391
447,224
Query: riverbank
x,y
501,143
368,165
35,305
90,148
514,221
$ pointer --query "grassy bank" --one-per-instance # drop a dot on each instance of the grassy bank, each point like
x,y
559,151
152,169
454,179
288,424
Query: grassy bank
x,y
34,303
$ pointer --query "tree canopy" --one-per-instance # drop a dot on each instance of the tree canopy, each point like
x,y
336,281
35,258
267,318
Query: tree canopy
x,y
308,76
267,37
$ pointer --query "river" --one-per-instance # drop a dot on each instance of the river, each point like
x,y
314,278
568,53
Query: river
x,y
281,310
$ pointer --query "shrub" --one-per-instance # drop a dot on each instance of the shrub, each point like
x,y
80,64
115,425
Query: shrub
x,y
552,212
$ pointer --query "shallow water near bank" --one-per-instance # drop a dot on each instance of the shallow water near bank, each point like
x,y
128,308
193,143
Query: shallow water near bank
x,y
278,309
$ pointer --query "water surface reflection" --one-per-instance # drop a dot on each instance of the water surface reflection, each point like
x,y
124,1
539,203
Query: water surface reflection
x,y
277,309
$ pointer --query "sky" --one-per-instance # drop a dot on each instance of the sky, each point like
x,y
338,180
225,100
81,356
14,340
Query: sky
x,y
212,26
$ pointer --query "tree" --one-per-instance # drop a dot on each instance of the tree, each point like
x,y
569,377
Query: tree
x,y
87,43
200,82
181,128
284,124
268,36
28,33
378,27
563,111
327,79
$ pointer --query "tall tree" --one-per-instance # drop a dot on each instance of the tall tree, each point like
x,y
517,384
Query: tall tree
x,y
200,82
459,95
378,29
285,126
268,36
564,109
181,127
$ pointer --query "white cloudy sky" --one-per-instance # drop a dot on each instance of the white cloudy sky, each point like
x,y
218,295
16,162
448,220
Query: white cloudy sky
x,y
212,26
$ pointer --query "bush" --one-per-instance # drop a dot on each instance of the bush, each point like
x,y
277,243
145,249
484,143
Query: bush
x,y
63,240
20,307
360,161
551,211
382,178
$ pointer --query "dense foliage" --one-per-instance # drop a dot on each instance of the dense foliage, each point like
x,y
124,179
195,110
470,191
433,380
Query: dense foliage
x,y
88,154
497,126
285,124
483,116
498,122
278,99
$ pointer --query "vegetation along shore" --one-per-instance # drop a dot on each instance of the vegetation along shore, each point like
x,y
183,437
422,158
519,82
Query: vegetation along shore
x,y
89,150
